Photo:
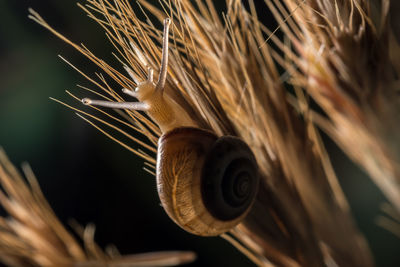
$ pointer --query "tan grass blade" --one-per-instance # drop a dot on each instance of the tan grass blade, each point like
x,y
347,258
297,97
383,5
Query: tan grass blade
x,y
32,235
390,220
348,63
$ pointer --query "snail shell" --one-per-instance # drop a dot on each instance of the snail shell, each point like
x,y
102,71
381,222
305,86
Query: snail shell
x,y
206,184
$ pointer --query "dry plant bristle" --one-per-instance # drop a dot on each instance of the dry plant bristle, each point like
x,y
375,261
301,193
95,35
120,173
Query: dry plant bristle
x,y
32,235
390,220
223,73
348,62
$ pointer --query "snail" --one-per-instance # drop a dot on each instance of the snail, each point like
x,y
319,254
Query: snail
x,y
206,183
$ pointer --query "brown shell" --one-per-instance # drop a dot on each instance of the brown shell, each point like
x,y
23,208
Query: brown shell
x,y
181,155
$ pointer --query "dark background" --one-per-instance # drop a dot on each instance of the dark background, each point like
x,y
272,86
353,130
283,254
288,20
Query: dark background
x,y
90,178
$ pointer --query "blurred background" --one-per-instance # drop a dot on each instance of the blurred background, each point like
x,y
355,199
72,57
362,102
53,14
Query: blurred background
x,y
88,177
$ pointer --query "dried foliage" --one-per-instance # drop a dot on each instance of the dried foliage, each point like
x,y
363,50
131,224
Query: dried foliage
x,y
33,235
390,219
226,76
348,61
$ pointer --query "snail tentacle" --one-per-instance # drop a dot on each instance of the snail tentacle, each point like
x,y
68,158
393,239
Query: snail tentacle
x,y
161,108
129,92
164,58
119,105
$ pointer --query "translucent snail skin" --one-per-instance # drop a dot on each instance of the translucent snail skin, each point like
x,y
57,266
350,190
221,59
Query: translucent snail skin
x,y
206,183
159,106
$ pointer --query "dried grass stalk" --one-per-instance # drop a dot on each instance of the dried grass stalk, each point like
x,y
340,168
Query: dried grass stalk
x,y
223,73
390,220
32,235
348,60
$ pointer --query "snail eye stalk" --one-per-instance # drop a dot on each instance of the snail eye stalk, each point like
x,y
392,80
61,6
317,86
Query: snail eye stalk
x,y
119,105
147,86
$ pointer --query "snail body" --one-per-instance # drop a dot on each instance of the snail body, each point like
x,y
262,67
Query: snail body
x,y
159,106
206,183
